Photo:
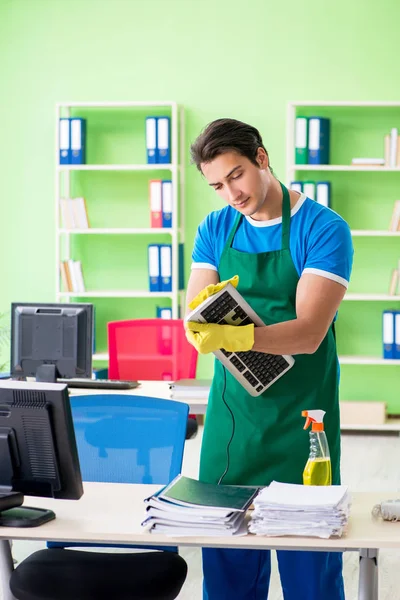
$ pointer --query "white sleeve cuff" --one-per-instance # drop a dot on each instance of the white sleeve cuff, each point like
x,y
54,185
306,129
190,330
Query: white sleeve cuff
x,y
328,275
200,265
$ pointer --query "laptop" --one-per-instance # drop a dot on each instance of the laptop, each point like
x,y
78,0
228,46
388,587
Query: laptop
x,y
255,371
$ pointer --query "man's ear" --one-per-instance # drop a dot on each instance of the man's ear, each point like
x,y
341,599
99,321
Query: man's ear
x,y
262,158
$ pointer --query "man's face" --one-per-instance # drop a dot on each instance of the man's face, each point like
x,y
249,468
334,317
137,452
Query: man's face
x,y
238,181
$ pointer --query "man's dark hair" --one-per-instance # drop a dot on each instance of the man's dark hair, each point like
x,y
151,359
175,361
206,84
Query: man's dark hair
x,y
226,135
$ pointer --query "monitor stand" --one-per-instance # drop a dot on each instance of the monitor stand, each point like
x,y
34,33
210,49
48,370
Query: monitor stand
x,y
46,373
12,514
25,516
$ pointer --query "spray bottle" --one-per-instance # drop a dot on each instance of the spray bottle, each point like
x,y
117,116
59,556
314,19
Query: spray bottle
x,y
318,470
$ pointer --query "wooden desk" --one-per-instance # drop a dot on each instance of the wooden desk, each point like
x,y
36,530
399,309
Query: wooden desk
x,y
113,512
198,406
155,389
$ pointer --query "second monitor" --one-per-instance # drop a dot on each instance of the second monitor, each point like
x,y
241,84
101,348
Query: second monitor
x,y
38,453
51,341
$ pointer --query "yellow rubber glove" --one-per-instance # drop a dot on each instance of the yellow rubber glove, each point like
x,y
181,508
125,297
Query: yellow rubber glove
x,y
210,290
208,337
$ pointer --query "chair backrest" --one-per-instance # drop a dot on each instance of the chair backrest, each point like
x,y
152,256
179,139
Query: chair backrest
x,y
150,349
129,439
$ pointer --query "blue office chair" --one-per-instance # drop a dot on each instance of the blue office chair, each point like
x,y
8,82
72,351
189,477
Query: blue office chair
x,y
120,439
129,439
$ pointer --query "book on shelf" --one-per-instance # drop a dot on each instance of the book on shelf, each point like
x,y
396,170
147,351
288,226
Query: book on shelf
x,y
318,141
166,200
153,253
297,186
391,349
164,312
397,334
160,195
160,267
72,276
64,142
151,140
391,157
301,140
158,140
320,191
392,148
190,507
79,276
394,287
368,162
155,194
65,277
394,282
72,141
312,140
73,213
78,140
323,193
309,189
395,218
387,150
166,267
163,140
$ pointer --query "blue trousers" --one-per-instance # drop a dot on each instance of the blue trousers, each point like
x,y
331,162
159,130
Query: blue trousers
x,y
245,574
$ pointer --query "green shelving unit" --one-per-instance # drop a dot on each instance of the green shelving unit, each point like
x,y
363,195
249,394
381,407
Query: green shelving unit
x,y
364,196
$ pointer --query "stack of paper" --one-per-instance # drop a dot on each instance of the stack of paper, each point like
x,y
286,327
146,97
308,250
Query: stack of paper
x,y
306,510
189,507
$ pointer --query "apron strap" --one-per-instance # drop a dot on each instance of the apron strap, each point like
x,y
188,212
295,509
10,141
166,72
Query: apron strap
x,y
285,218
233,231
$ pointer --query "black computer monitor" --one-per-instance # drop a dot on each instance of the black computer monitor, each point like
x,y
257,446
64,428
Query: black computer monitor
x,y
49,341
38,453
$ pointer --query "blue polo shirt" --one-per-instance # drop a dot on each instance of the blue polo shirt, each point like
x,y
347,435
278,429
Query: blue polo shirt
x,y
320,240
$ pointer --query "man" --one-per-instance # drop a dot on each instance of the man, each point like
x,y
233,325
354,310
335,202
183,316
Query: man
x,y
293,258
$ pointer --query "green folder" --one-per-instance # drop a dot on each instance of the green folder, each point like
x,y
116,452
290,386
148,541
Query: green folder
x,y
189,492
301,141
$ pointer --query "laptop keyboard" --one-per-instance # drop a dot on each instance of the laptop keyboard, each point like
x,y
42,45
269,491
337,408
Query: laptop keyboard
x,y
258,368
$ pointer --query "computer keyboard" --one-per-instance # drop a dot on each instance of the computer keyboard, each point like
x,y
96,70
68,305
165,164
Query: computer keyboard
x,y
216,311
99,384
255,370
261,367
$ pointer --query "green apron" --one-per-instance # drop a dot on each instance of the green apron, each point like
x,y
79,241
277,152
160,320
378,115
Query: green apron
x,y
269,442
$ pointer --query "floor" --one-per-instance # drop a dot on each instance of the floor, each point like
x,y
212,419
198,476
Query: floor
x,y
368,462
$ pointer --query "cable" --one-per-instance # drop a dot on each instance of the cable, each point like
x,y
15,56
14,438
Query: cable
x,y
233,428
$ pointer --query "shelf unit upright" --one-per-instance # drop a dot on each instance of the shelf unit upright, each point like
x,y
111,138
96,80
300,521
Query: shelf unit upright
x,y
296,172
176,231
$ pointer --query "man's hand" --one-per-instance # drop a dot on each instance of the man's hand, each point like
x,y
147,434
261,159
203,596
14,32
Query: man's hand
x,y
209,337
210,290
